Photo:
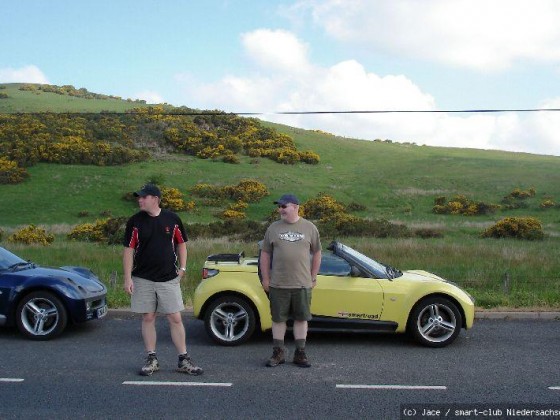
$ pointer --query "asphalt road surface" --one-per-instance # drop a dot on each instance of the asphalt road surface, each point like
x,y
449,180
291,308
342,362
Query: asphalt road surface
x,y
91,372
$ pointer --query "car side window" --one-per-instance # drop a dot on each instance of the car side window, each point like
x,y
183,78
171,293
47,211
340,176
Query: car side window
x,y
332,265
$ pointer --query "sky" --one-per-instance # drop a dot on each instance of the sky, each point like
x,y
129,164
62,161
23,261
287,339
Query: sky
x,y
275,56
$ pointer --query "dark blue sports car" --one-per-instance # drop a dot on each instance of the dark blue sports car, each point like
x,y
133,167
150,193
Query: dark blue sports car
x,y
41,301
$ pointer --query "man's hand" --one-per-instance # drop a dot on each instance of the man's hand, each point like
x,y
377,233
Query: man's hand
x,y
128,286
266,285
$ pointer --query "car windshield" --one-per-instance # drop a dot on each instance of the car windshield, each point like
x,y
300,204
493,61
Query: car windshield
x,y
9,261
378,269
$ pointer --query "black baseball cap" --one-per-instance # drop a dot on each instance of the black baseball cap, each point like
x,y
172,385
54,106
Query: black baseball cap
x,y
287,198
148,189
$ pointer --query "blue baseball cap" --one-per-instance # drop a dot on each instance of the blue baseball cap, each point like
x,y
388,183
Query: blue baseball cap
x,y
287,198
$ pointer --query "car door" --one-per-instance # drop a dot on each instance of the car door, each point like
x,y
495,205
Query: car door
x,y
4,296
338,294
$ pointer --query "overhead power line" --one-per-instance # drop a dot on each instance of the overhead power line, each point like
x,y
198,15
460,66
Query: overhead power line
x,y
402,111
177,111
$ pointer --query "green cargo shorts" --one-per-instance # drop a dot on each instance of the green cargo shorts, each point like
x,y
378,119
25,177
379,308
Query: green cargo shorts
x,y
290,304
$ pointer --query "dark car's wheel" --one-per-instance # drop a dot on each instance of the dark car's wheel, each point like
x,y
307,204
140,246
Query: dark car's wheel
x,y
230,320
435,322
41,316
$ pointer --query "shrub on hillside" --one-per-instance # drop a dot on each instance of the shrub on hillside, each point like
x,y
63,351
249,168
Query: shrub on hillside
x,y
528,228
516,199
522,194
460,204
247,190
31,235
10,172
229,214
321,208
88,232
309,157
110,231
547,204
172,199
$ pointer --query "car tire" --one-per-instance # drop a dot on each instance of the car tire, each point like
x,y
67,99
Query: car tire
x,y
435,322
230,320
41,316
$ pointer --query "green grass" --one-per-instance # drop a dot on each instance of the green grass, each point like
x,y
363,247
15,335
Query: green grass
x,y
394,181
27,101
498,273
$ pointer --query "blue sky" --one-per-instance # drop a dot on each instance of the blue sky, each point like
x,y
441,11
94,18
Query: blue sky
x,y
306,55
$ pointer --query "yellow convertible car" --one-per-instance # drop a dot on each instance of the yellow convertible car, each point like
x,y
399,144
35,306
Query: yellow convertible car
x,y
354,293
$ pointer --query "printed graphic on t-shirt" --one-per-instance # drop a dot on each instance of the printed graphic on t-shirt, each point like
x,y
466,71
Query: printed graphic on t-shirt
x,y
291,236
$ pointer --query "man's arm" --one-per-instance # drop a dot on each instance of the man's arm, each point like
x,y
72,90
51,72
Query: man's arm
x,y
128,260
265,270
182,252
315,265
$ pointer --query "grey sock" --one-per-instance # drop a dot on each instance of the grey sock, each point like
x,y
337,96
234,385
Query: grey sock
x,y
300,344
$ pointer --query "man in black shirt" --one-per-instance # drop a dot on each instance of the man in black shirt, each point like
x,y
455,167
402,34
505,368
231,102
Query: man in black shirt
x,y
154,261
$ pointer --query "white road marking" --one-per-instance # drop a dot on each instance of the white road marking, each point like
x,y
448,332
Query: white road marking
x,y
412,387
554,388
160,383
11,380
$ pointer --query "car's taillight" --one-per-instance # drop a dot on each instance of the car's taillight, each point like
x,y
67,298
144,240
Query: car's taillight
x,y
209,272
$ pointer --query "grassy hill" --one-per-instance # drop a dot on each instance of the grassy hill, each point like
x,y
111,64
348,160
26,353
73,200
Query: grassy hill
x,y
397,182
13,100
394,181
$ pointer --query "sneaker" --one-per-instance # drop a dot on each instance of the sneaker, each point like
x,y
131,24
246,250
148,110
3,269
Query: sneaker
x,y
300,358
187,366
278,357
151,365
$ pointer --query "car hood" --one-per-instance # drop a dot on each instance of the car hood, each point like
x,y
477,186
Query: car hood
x,y
421,275
80,277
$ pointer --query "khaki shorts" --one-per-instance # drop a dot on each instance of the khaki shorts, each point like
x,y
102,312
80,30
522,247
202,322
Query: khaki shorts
x,y
153,296
290,304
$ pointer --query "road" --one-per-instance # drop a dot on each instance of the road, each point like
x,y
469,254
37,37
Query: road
x,y
91,372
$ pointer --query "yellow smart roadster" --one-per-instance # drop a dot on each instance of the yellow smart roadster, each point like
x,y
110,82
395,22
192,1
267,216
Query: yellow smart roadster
x,y
354,293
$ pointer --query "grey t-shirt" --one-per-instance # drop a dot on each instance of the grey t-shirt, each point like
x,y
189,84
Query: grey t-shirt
x,y
290,245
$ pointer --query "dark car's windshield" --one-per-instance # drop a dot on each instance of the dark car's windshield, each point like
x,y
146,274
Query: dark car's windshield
x,y
9,261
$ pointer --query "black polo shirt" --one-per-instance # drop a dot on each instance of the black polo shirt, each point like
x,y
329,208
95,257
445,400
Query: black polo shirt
x,y
154,240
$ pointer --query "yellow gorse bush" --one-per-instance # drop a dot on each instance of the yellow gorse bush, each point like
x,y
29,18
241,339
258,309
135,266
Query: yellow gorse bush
x,y
10,172
172,199
528,228
31,235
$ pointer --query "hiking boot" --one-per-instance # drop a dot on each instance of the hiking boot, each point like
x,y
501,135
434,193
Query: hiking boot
x,y
187,366
151,365
278,357
300,358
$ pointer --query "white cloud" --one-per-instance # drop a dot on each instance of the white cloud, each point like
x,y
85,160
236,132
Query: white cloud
x,y
348,86
26,74
276,50
477,34
149,96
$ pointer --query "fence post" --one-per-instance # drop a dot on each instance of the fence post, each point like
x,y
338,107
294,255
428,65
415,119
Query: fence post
x,y
113,279
506,284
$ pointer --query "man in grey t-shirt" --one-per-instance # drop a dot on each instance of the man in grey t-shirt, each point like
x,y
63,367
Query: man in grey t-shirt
x,y
289,263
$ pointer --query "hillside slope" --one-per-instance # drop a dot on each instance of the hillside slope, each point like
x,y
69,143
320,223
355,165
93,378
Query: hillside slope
x,y
394,181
